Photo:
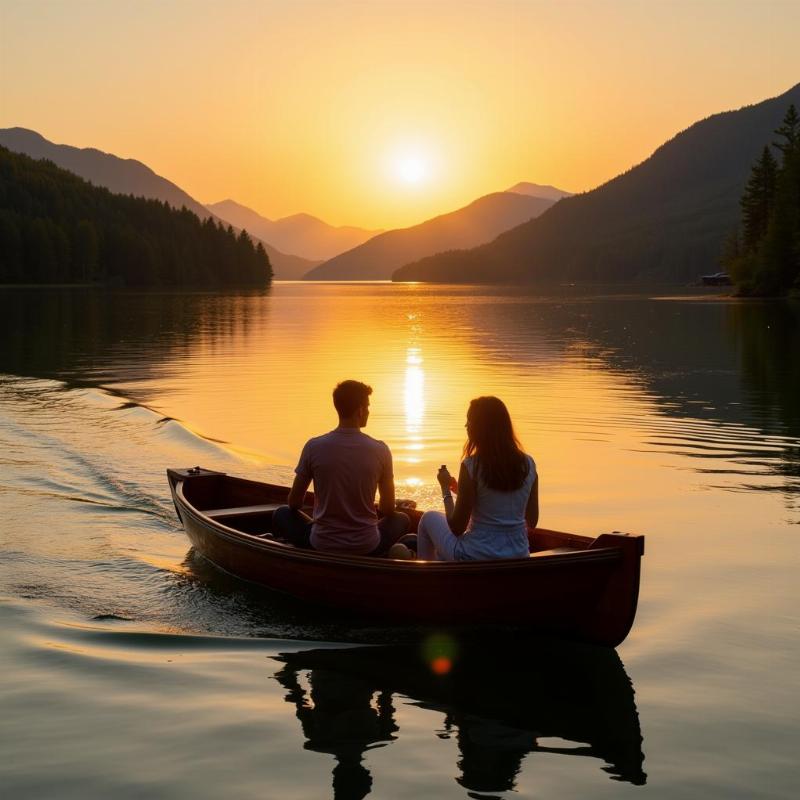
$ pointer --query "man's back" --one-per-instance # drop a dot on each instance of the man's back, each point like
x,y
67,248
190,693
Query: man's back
x,y
346,467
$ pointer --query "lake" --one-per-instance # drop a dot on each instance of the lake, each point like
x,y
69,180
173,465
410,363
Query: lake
x,y
134,668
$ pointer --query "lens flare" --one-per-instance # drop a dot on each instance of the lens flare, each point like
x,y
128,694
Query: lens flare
x,y
441,665
439,652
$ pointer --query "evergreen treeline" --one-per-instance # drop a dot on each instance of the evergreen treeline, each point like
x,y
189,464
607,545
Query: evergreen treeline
x,y
57,228
764,257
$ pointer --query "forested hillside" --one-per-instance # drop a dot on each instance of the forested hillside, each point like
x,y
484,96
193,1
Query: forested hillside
x,y
57,228
118,175
664,220
763,256
129,176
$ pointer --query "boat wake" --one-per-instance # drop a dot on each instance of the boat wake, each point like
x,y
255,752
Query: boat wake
x,y
89,523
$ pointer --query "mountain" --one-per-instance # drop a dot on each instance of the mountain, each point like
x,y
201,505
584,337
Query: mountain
x,y
474,224
58,228
119,175
285,266
302,234
663,220
539,190
128,176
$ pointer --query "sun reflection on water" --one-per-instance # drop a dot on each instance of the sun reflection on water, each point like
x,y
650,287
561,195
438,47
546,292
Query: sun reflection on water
x,y
414,409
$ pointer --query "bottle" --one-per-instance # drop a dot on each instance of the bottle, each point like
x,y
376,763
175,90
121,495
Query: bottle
x,y
453,484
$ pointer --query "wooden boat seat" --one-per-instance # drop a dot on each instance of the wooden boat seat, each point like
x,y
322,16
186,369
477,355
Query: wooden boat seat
x,y
554,551
238,511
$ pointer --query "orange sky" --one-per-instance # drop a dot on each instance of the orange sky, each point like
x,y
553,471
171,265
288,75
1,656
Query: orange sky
x,y
382,114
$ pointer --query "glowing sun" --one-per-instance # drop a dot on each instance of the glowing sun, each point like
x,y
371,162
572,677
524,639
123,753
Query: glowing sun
x,y
410,169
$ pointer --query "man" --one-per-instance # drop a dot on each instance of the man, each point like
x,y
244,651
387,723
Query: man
x,y
347,467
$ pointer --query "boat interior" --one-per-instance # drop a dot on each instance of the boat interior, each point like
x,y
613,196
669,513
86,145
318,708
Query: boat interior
x,y
247,506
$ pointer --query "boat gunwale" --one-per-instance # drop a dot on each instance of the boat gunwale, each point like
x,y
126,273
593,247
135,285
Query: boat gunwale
x,y
291,553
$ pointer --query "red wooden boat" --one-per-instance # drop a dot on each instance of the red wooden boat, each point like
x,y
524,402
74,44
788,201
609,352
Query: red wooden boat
x,y
572,586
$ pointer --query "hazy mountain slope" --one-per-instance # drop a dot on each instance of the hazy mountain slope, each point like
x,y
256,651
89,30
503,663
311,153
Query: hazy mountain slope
x,y
286,267
663,220
128,176
539,190
478,222
119,175
301,234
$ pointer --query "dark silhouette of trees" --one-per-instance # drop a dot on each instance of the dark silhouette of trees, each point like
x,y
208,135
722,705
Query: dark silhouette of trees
x,y
768,260
790,131
57,228
759,198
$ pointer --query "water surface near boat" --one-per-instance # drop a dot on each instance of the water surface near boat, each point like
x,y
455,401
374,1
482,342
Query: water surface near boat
x,y
676,418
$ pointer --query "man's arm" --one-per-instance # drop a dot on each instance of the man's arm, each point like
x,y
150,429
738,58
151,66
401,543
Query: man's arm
x,y
303,475
386,487
297,494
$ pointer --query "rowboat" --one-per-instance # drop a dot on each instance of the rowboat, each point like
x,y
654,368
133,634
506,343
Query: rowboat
x,y
571,586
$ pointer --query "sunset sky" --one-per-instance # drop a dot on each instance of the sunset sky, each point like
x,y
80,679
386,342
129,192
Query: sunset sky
x,y
382,114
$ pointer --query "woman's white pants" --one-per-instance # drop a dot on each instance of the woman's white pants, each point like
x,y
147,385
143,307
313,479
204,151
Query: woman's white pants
x,y
435,540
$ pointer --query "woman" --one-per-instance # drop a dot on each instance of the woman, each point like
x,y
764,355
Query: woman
x,y
498,493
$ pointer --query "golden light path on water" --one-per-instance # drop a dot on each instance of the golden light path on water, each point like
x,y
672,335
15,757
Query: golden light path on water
x,y
257,372
674,419
414,398
627,419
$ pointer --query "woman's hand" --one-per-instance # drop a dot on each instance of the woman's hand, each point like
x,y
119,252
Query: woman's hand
x,y
444,477
446,480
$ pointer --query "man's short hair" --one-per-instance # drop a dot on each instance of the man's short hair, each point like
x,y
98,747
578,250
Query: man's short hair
x,y
349,396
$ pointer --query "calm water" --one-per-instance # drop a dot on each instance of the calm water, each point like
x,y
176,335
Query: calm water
x,y
133,668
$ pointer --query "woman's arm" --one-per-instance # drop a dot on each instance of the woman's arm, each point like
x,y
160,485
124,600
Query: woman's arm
x,y
459,512
532,508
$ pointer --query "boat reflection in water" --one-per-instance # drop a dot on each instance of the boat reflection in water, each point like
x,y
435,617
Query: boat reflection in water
x,y
338,717
500,702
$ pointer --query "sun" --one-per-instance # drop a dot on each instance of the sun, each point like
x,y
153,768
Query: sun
x,y
410,168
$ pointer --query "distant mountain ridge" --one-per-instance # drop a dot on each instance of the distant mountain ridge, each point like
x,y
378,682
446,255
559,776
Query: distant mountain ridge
x,y
539,190
302,234
128,176
478,222
663,220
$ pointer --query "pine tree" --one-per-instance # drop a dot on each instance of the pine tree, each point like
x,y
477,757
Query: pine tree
x,y
758,199
265,267
790,131
731,249
781,246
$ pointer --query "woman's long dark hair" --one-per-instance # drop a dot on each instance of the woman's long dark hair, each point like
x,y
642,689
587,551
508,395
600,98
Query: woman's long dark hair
x,y
491,439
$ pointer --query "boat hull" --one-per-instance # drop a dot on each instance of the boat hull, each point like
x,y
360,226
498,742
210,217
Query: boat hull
x,y
588,593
